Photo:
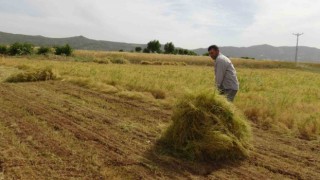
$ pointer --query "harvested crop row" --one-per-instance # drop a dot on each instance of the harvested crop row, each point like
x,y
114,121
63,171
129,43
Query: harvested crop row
x,y
33,75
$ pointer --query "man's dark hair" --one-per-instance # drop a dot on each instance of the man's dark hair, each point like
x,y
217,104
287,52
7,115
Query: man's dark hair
x,y
214,47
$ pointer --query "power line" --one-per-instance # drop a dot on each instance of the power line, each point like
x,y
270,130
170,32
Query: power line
x,y
297,46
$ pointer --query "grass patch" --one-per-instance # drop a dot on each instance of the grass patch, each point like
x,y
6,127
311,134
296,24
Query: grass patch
x,y
5,72
88,83
158,94
120,60
102,61
131,95
157,63
23,67
309,129
170,63
146,63
33,75
206,127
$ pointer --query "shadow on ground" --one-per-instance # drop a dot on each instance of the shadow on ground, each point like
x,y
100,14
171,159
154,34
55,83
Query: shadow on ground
x,y
173,165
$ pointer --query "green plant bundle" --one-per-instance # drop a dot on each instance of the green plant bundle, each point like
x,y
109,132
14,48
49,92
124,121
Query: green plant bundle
x,y
206,127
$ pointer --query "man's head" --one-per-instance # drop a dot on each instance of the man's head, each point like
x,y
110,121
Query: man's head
x,y
213,51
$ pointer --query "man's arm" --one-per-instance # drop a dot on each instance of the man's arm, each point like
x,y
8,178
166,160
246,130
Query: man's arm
x,y
220,71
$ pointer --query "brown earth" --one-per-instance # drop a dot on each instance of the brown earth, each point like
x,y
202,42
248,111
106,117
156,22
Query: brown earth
x,y
61,131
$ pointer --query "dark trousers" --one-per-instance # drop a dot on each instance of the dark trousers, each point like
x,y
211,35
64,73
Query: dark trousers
x,y
229,93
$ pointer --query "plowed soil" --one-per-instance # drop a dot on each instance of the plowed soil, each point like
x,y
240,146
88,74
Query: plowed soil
x,y
56,130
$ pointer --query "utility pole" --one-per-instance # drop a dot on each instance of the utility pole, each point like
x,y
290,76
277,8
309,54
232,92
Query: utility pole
x,y
297,47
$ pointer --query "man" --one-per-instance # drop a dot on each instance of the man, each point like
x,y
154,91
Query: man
x,y
226,75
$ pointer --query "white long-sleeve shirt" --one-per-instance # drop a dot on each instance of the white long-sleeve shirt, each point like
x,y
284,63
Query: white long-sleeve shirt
x,y
225,73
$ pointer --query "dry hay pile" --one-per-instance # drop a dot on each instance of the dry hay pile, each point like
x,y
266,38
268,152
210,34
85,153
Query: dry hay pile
x,y
32,75
206,127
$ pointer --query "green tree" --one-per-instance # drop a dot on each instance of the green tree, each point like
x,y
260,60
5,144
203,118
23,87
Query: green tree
x,y
169,48
154,46
20,49
43,50
3,49
185,52
63,50
138,49
180,51
146,50
191,53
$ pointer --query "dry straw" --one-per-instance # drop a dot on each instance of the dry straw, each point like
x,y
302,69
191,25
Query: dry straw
x,y
206,127
32,75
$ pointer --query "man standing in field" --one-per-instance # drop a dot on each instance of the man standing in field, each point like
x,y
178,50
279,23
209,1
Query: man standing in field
x,y
225,73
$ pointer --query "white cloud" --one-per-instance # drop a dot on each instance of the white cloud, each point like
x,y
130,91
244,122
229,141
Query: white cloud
x,y
189,24
130,21
275,22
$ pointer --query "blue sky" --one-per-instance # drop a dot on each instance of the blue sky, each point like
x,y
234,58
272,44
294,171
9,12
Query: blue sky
x,y
189,24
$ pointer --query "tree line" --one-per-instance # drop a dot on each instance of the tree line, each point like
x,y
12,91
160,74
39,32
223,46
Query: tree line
x,y
169,48
27,49
19,49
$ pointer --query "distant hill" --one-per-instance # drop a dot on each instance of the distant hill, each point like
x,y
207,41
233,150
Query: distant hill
x,y
77,42
306,54
258,52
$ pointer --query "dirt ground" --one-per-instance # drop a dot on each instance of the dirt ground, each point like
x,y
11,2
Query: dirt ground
x,y
61,131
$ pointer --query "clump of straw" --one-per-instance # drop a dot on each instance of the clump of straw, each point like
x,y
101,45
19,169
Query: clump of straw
x,y
206,127
32,75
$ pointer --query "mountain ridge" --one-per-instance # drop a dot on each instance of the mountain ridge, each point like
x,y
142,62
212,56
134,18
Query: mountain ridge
x,y
263,51
77,42
268,52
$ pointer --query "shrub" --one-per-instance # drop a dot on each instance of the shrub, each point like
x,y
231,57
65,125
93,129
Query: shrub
x,y
146,50
3,50
32,75
20,49
63,50
206,127
43,50
120,61
138,49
